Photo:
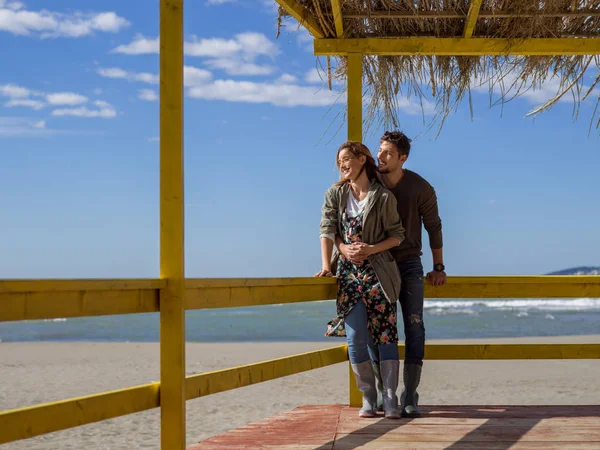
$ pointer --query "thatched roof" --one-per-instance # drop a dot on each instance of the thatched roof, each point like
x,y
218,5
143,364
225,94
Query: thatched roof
x,y
447,80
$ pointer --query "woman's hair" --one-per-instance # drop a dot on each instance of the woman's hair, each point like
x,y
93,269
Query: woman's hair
x,y
358,149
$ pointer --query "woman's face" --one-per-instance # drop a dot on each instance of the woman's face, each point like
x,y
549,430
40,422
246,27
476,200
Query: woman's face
x,y
349,164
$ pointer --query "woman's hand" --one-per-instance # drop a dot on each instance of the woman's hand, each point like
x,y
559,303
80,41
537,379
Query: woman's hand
x,y
324,273
356,252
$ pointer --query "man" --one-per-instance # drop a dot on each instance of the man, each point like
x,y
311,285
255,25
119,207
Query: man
x,y
417,206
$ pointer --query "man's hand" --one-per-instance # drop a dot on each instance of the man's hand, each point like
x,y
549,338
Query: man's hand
x,y
324,273
356,252
436,278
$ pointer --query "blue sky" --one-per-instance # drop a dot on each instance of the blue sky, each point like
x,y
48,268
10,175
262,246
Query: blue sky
x,y
79,147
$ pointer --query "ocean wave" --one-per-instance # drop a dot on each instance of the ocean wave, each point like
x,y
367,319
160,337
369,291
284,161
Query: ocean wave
x,y
571,304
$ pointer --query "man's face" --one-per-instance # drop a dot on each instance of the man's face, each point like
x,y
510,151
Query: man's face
x,y
389,159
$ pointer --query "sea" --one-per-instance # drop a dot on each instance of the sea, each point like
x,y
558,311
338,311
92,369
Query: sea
x,y
443,318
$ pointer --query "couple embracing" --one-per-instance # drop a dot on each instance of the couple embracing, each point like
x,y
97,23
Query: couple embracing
x,y
371,240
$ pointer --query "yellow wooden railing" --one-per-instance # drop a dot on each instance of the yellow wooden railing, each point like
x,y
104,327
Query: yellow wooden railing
x,y
46,299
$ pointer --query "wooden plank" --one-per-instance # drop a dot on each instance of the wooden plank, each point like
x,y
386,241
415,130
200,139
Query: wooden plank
x,y
39,305
306,426
25,286
303,16
508,351
46,299
355,96
474,7
452,14
235,377
229,297
33,421
457,46
172,248
336,8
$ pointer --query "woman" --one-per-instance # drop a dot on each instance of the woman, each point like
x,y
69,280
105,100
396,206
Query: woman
x,y
361,213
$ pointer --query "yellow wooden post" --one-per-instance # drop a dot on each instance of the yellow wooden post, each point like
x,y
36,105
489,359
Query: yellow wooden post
x,y
355,115
355,96
172,312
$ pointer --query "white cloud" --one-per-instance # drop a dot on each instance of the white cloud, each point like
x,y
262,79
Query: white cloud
x,y
154,139
249,45
25,102
16,19
192,76
315,76
105,110
66,98
219,2
98,91
21,126
117,73
148,95
275,94
14,91
286,78
233,66
22,97
139,46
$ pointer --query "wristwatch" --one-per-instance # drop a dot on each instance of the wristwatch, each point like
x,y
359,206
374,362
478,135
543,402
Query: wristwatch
x,y
439,267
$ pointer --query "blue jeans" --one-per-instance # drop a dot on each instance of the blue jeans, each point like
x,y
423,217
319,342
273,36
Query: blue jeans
x,y
411,302
359,338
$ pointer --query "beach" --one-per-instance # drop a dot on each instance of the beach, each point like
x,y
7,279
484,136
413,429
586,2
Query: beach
x,y
37,372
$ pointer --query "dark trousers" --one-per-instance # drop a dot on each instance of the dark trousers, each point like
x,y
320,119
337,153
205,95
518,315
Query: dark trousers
x,y
411,302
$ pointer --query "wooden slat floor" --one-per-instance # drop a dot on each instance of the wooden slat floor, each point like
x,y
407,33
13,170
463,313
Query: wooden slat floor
x,y
337,427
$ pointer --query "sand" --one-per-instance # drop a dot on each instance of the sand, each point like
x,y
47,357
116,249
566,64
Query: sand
x,y
37,372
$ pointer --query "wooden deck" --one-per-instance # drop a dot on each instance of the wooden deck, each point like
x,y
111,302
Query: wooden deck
x,y
336,427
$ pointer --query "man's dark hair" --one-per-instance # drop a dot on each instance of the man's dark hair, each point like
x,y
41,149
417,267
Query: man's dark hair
x,y
399,139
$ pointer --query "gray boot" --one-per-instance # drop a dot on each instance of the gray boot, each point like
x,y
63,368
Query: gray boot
x,y
410,397
390,371
379,386
365,381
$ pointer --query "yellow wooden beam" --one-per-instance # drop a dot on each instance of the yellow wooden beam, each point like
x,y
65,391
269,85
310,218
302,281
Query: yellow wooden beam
x,y
517,287
236,377
47,299
202,294
474,7
457,46
336,8
355,112
172,312
508,351
64,304
303,16
24,423
122,284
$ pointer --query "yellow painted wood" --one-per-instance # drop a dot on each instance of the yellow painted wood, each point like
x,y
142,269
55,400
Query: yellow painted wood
x,y
517,287
227,379
43,299
458,46
508,351
354,395
474,7
250,296
123,284
355,112
24,423
304,17
336,8
172,312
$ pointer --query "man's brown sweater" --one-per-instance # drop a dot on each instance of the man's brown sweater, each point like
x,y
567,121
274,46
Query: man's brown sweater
x,y
417,206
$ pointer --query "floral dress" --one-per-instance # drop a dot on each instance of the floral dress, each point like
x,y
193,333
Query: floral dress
x,y
359,283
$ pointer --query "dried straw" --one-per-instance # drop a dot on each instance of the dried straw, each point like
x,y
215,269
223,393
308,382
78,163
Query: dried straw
x,y
449,80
